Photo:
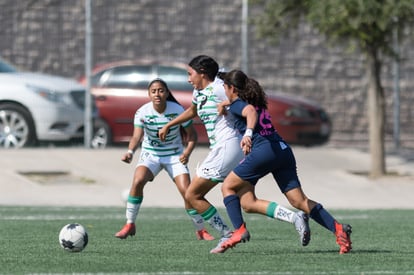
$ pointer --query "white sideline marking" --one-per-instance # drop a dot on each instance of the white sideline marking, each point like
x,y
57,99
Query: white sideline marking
x,y
58,217
53,217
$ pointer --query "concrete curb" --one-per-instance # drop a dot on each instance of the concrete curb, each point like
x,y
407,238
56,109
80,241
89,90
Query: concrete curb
x,y
99,178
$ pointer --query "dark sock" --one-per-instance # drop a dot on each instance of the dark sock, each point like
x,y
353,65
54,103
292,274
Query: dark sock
x,y
321,216
233,208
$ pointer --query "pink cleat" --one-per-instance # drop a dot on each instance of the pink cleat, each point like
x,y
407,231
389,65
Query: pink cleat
x,y
127,230
343,237
204,235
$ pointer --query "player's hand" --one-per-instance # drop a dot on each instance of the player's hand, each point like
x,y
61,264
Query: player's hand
x,y
246,144
127,158
162,133
184,159
221,109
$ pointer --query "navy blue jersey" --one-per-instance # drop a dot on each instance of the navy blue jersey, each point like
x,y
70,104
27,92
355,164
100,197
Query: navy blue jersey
x,y
269,154
264,127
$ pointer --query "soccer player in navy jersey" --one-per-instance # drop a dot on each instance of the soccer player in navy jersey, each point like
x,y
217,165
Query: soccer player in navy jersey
x,y
265,152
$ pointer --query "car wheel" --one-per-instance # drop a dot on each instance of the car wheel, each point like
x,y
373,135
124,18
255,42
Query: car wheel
x,y
101,134
16,127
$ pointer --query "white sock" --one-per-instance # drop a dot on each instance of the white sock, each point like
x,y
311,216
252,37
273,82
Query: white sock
x,y
283,214
196,219
217,223
132,210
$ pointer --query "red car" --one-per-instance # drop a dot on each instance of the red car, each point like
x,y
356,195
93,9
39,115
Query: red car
x,y
120,88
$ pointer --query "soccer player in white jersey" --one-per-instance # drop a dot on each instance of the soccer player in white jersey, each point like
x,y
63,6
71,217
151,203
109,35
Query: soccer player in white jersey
x,y
156,155
225,152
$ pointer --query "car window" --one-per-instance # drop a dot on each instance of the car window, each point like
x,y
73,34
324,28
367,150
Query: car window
x,y
176,78
133,77
6,68
96,78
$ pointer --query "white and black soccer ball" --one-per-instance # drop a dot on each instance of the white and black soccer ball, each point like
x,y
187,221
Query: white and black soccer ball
x,y
73,237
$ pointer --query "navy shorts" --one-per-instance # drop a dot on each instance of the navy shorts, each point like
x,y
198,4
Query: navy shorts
x,y
270,156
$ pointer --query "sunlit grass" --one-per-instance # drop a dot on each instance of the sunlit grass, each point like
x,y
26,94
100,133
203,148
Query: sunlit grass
x,y
165,244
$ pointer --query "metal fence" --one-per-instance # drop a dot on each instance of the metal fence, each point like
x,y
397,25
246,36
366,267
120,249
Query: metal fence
x,y
49,36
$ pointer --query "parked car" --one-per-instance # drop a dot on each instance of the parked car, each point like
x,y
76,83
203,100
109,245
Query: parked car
x,y
38,107
298,120
120,88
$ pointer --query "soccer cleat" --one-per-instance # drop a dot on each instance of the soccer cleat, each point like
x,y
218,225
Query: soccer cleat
x,y
238,236
204,235
219,248
127,230
301,223
343,237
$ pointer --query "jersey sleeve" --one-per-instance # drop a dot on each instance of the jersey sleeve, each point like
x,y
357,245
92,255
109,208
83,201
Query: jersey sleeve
x,y
237,106
139,119
219,90
194,100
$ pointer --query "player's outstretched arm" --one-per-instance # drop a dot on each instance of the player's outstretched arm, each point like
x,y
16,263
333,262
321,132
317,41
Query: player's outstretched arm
x,y
188,114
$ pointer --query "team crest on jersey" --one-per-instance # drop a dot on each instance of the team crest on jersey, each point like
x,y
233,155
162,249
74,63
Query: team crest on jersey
x,y
150,119
171,116
209,90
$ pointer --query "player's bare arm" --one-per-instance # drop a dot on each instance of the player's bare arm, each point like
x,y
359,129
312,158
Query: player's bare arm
x,y
221,107
191,142
249,112
133,144
188,114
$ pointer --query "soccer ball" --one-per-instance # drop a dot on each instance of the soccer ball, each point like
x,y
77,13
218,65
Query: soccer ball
x,y
73,237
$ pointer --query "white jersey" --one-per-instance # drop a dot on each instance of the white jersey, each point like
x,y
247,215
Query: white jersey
x,y
219,128
151,121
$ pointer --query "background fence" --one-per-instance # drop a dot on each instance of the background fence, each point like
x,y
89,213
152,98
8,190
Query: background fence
x,y
49,36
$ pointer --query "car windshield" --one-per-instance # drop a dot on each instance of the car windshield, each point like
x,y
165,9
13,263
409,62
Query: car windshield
x,y
6,68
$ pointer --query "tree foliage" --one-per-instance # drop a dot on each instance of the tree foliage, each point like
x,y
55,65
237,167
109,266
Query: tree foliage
x,y
367,25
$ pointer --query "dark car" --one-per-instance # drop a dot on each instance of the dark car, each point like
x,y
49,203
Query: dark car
x,y
120,88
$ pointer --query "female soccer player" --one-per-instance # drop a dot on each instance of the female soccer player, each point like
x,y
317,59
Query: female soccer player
x,y
266,153
157,155
225,152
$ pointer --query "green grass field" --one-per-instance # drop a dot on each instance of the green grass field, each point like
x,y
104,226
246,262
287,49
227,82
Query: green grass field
x,y
165,244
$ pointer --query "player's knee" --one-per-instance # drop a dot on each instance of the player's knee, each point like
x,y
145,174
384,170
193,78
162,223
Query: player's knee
x,y
301,204
248,209
189,196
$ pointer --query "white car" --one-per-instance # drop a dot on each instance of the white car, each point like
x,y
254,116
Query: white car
x,y
39,107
